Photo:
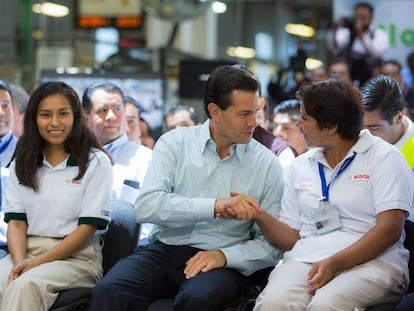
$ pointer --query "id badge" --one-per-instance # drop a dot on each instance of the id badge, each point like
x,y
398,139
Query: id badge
x,y
327,220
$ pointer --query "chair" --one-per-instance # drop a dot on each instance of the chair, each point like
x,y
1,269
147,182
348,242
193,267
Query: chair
x,y
409,244
119,241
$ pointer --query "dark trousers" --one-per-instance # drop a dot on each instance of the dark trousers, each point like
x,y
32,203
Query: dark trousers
x,y
156,271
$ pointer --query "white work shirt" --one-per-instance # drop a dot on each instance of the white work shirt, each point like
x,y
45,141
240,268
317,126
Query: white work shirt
x,y
131,164
62,203
377,180
376,41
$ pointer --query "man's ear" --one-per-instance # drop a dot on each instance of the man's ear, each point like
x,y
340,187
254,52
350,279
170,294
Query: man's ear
x,y
332,129
399,118
262,102
86,118
214,110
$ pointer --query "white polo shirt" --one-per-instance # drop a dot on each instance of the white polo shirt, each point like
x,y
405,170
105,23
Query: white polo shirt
x,y
62,203
131,164
377,180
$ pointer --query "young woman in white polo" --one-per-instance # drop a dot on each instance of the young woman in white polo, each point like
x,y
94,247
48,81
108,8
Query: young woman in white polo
x,y
58,195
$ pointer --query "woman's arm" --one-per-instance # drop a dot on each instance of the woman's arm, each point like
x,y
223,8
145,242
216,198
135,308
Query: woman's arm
x,y
276,232
379,238
16,240
72,243
17,244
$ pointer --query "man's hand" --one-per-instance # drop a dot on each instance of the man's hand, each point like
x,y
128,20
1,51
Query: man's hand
x,y
204,261
238,206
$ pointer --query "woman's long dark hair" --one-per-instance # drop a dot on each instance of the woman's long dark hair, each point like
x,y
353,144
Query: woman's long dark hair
x,y
29,150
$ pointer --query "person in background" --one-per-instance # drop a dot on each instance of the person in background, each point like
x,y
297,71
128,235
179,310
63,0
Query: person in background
x,y
7,140
285,116
408,71
318,74
146,138
197,172
20,99
181,116
132,111
392,68
343,211
338,69
276,144
104,106
362,45
58,196
384,104
7,146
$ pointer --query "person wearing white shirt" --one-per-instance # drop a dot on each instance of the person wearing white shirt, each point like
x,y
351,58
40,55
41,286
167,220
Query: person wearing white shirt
x,y
104,105
359,42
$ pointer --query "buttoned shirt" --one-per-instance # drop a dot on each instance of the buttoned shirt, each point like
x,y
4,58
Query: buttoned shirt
x,y
185,178
130,166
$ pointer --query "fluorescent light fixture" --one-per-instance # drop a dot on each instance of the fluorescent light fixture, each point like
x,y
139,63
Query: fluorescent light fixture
x,y
241,52
312,63
219,7
50,9
300,30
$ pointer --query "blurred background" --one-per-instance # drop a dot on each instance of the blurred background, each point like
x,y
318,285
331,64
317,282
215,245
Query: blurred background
x,y
161,51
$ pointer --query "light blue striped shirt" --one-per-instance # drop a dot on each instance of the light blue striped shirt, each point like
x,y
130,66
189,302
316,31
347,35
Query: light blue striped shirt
x,y
185,178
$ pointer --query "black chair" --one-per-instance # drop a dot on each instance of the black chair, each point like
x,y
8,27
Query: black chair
x,y
409,244
119,241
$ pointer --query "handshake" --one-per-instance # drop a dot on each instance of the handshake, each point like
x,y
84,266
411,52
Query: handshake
x,y
237,206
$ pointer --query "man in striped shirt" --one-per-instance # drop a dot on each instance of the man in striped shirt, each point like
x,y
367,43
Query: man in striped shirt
x,y
198,178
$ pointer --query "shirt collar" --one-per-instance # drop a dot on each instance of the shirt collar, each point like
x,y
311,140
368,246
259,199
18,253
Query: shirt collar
x,y
115,144
5,138
205,137
364,142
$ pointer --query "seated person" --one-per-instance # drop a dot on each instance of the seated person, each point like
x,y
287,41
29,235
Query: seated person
x,y
196,173
133,111
181,116
343,212
104,105
285,116
58,195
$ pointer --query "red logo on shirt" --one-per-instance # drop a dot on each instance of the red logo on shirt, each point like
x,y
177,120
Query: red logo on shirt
x,y
361,176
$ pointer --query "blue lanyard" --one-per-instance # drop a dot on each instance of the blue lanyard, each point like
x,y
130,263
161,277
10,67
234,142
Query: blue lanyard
x,y
6,144
325,188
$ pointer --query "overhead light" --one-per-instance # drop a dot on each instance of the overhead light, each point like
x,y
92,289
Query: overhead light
x,y
50,9
300,30
312,63
219,7
241,52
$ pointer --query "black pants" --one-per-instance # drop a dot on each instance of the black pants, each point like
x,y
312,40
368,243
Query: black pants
x,y
157,271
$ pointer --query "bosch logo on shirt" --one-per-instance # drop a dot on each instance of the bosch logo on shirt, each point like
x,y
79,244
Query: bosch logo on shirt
x,y
361,176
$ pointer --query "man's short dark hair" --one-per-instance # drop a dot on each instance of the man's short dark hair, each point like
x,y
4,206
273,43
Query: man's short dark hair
x,y
106,86
223,81
383,93
192,112
365,5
